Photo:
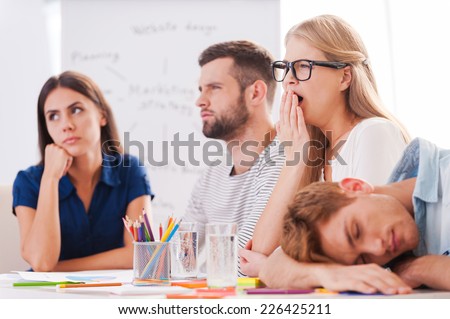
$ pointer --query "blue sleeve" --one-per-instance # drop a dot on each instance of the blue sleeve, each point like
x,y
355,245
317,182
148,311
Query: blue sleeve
x,y
408,165
26,189
138,182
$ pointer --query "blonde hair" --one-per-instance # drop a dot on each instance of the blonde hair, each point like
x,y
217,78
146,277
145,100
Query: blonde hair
x,y
341,43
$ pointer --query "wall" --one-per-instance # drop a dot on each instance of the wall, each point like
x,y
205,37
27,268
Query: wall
x,y
25,63
143,54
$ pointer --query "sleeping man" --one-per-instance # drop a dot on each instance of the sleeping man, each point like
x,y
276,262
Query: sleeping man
x,y
353,225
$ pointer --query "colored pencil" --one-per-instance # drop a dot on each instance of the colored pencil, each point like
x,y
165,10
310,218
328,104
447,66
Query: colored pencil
x,y
206,296
268,291
169,221
151,282
167,232
43,283
149,227
138,230
356,293
325,291
100,284
173,231
190,284
128,228
144,229
135,232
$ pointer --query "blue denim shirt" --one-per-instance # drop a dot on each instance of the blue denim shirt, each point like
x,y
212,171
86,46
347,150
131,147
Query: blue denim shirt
x,y
431,196
99,229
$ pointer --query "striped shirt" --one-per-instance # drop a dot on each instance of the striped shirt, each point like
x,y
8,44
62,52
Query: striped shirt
x,y
219,197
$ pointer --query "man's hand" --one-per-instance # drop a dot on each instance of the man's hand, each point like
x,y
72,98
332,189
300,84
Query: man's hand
x,y
370,278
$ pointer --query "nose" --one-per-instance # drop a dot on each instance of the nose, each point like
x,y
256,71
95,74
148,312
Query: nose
x,y
67,124
202,101
289,80
376,247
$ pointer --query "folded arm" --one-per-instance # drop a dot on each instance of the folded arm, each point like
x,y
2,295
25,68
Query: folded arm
x,y
431,270
46,259
119,258
281,271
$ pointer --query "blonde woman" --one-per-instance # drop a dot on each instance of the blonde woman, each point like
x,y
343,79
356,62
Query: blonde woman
x,y
332,121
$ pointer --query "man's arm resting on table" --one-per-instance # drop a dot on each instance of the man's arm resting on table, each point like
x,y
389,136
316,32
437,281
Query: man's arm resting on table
x,y
281,271
431,270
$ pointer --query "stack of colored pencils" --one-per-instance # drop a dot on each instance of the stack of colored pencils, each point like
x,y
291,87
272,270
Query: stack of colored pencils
x,y
140,229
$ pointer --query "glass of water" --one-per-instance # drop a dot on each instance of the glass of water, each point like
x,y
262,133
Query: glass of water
x,y
221,255
184,252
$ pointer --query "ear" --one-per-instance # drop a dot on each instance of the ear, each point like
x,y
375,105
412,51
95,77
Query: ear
x,y
356,185
257,92
103,121
346,78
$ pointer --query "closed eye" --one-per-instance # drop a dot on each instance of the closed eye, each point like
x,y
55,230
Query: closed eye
x,y
357,232
355,235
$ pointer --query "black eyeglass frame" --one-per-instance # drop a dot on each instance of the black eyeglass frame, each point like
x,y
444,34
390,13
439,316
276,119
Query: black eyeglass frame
x,y
290,66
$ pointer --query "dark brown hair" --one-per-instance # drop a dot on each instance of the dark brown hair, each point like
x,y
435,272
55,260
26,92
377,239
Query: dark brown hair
x,y
251,63
84,85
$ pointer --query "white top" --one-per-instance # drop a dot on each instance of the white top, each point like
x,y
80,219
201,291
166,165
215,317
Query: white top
x,y
371,151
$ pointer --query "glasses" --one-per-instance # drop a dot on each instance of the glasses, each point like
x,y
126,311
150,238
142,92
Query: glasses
x,y
301,69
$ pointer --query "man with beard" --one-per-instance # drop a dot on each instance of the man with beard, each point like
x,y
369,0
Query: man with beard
x,y
236,96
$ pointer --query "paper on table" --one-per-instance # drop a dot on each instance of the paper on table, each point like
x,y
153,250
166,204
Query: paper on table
x,y
124,276
150,290
128,290
7,279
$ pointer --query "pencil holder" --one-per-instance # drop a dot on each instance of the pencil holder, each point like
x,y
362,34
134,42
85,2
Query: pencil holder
x,y
151,260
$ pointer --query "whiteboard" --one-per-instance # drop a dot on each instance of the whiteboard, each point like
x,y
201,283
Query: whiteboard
x,y
143,54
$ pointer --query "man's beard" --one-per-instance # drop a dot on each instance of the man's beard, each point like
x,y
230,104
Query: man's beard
x,y
230,124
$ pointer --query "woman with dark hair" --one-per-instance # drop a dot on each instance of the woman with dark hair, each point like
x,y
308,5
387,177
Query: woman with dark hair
x,y
70,206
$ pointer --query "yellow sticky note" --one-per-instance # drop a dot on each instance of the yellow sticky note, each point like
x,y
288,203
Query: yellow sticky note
x,y
249,282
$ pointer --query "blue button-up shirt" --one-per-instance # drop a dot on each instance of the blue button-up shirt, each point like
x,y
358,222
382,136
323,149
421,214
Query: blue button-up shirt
x,y
101,227
431,197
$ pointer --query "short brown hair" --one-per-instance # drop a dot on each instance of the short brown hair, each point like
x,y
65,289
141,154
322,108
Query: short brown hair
x,y
312,205
252,62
